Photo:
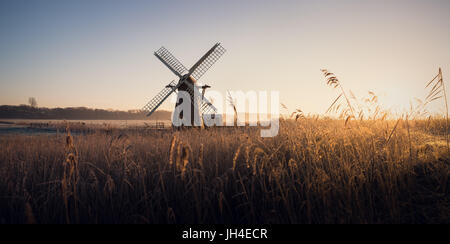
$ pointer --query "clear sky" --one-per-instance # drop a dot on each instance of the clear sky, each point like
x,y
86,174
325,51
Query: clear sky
x,y
99,54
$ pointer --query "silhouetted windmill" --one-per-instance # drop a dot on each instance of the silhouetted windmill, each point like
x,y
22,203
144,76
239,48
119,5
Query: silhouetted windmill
x,y
187,82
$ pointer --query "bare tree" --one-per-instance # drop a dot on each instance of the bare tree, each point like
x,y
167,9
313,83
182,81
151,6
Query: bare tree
x,y
32,101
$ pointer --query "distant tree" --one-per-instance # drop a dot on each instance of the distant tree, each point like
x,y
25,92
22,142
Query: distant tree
x,y
25,111
32,101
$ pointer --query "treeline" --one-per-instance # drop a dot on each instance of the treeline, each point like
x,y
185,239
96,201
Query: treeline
x,y
29,112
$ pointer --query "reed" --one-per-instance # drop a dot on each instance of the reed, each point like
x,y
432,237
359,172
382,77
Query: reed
x,y
316,171
385,169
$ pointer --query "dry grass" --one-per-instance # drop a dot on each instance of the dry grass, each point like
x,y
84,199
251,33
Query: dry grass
x,y
361,168
315,171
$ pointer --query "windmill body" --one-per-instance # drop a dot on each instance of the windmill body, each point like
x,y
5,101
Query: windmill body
x,y
186,87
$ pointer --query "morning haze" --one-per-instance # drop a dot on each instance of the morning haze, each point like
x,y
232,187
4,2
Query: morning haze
x,y
99,54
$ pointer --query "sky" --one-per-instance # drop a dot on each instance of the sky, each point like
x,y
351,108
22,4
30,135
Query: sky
x,y
99,54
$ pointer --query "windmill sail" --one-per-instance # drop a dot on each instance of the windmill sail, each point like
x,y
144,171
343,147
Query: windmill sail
x,y
205,106
200,68
170,61
187,80
160,98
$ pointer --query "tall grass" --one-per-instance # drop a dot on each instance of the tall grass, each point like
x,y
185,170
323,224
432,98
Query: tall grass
x,y
315,171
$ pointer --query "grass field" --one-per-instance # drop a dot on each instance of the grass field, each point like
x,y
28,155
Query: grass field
x,y
316,170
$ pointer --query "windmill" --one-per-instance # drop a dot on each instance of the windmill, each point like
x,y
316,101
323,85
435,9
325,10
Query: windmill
x,y
187,84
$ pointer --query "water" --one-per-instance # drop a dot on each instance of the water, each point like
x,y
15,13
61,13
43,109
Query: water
x,y
25,130
39,126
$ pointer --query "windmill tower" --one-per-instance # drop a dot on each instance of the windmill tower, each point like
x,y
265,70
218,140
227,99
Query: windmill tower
x,y
187,84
